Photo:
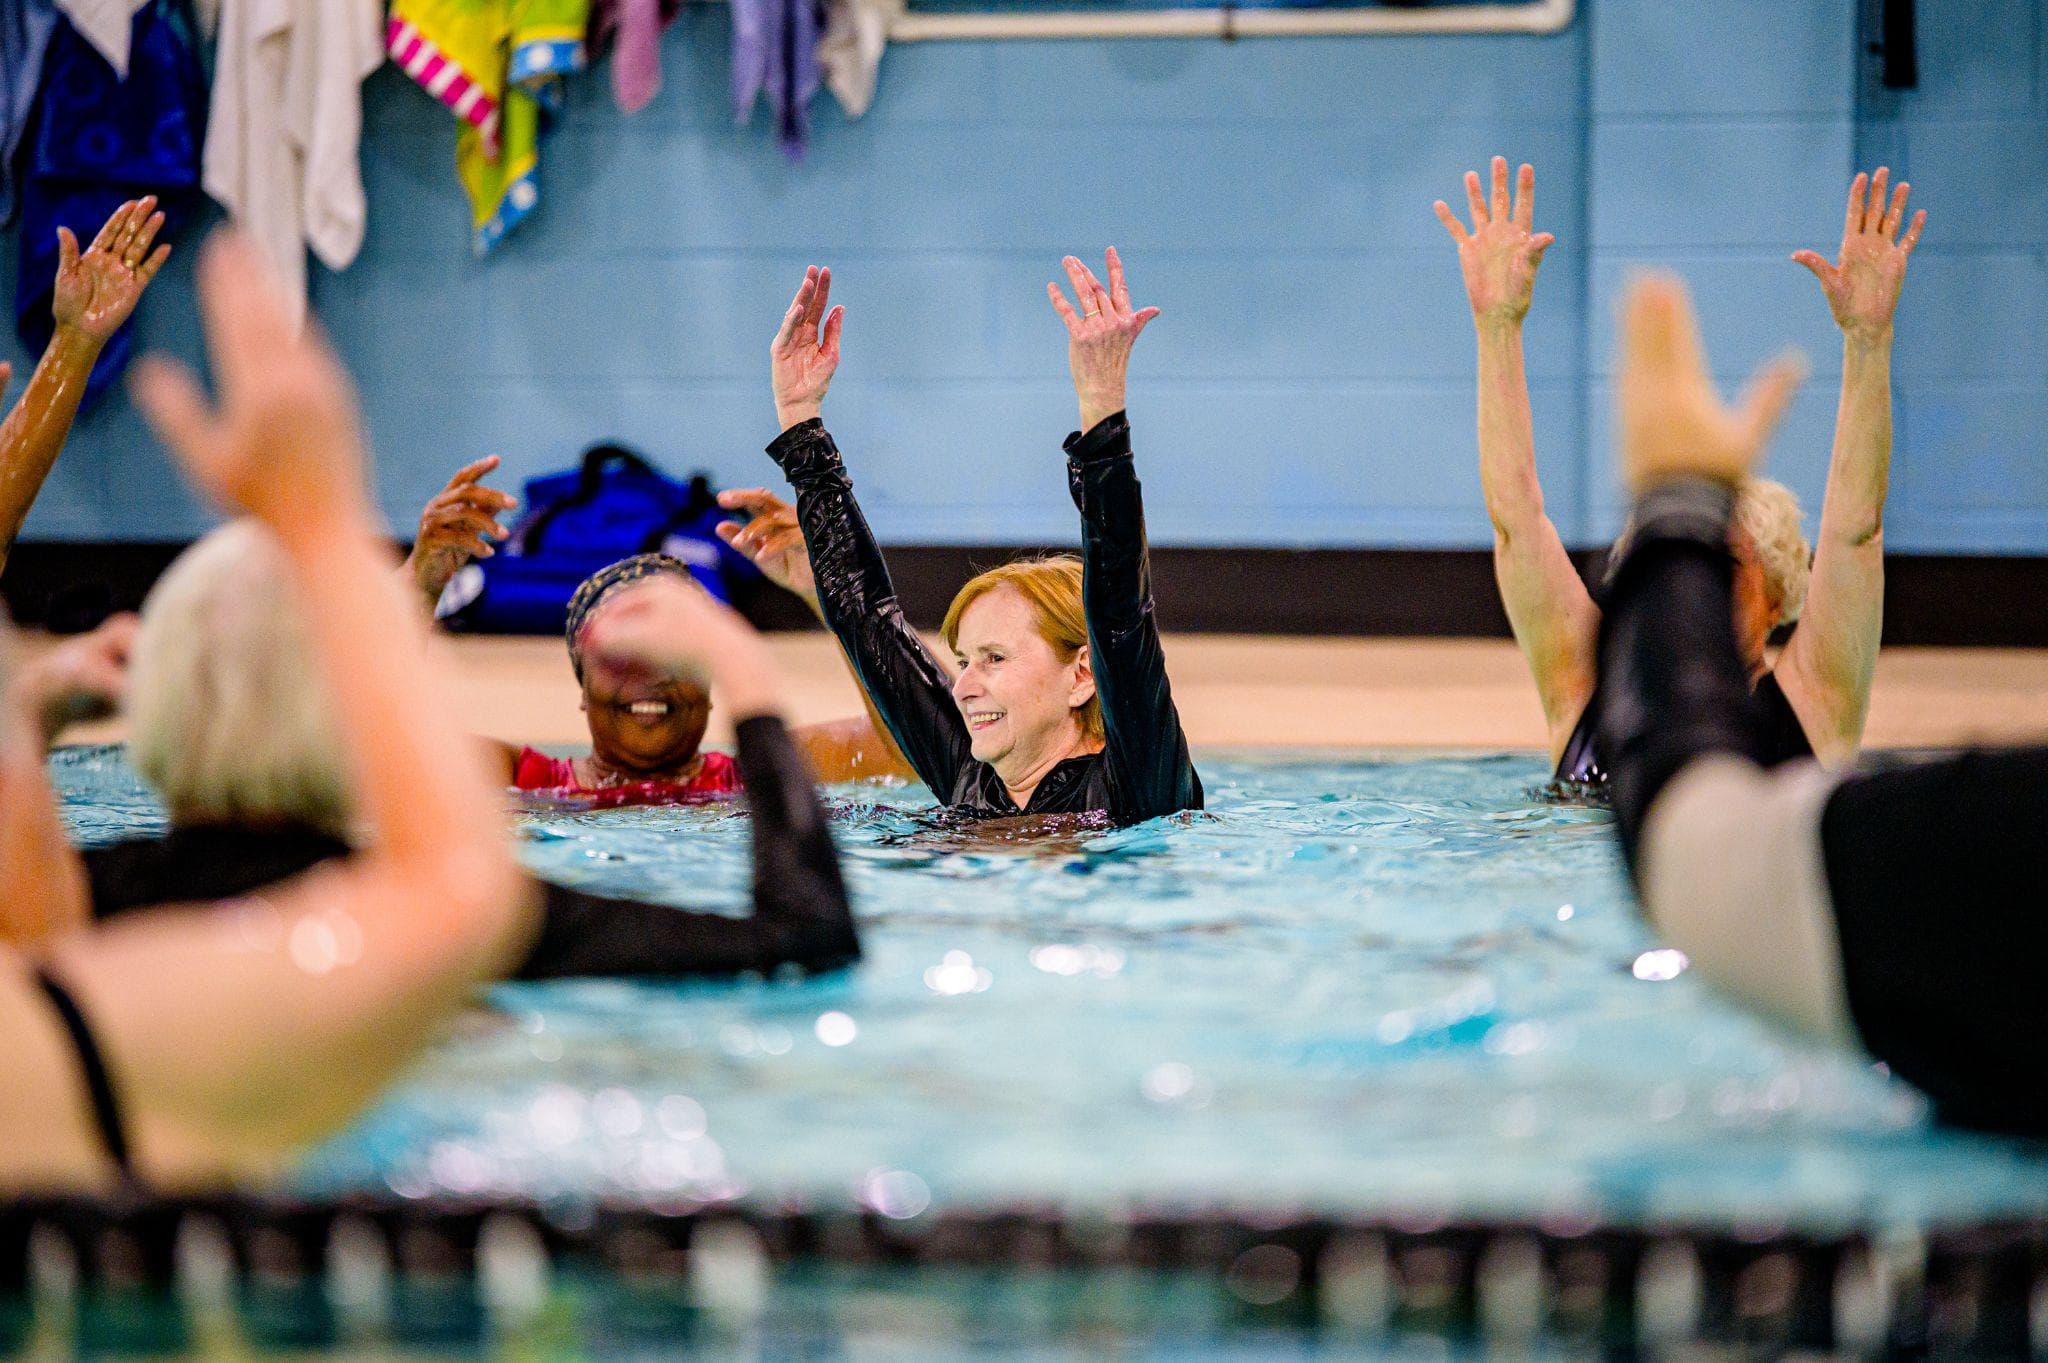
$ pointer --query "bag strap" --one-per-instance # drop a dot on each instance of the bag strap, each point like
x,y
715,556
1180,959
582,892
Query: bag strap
x,y
589,481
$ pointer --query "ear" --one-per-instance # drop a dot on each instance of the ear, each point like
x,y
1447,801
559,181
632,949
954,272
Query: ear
x,y
1083,689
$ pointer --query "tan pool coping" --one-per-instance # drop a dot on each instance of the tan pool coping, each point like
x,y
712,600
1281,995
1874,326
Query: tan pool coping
x,y
1243,691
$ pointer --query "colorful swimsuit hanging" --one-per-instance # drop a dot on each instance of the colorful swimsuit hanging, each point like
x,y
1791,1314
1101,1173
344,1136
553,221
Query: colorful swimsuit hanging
x,y
497,65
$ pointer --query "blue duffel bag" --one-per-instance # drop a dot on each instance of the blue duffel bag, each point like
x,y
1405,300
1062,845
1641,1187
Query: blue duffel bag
x,y
614,506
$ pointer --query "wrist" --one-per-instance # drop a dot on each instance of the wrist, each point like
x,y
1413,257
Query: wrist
x,y
1867,340
1496,326
797,413
1099,405
69,340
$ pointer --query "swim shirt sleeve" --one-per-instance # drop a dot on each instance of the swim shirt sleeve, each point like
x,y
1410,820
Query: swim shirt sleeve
x,y
801,916
910,690
1674,687
1149,767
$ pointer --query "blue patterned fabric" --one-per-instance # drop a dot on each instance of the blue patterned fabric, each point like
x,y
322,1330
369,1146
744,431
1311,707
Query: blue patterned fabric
x,y
25,29
101,141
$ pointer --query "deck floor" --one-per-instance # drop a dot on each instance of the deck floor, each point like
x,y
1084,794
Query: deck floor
x,y
1262,691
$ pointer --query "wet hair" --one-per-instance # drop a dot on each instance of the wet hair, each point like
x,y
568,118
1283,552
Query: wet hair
x,y
229,719
1053,587
1767,515
601,584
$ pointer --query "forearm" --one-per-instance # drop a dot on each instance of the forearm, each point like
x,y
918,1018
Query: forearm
x,y
35,430
858,604
1859,469
1143,734
1676,687
1507,435
420,784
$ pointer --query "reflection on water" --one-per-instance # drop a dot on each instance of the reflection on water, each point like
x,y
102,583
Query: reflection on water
x,y
1349,985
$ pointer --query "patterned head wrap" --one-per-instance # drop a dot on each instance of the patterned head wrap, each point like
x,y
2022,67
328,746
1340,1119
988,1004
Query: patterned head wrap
x,y
603,583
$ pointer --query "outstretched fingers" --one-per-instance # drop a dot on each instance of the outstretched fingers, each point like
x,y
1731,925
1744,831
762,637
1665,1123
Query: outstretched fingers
x,y
1475,200
1659,337
1896,214
1499,207
1119,288
1822,268
247,330
834,321
1525,196
798,306
1451,223
67,251
1873,211
1769,394
176,409
1062,306
1912,237
1852,221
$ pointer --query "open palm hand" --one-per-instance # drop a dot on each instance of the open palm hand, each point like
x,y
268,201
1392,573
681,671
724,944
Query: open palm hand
x,y
97,289
1863,284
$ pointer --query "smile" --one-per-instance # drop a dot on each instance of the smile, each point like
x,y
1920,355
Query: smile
x,y
981,719
648,709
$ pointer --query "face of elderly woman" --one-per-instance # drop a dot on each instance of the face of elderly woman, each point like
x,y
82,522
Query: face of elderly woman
x,y
1016,693
642,722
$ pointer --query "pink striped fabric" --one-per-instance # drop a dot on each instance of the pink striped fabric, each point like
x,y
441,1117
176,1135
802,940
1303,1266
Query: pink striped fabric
x,y
419,58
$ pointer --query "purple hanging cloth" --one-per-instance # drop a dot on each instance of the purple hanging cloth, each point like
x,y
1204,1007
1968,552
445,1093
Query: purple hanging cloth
x,y
632,30
775,50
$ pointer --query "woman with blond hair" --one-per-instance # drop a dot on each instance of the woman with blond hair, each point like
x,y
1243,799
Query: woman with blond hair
x,y
1061,703
207,1042
1813,702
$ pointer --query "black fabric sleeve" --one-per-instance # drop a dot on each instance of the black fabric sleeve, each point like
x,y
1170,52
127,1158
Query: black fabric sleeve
x,y
1149,767
801,916
909,688
1672,683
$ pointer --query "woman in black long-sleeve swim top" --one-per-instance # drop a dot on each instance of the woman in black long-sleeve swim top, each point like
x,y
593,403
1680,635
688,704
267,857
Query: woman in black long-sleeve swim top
x,y
1061,703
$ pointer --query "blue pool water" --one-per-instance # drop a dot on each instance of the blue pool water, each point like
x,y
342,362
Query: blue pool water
x,y
1353,986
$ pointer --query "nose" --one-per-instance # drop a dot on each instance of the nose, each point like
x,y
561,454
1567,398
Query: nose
x,y
965,686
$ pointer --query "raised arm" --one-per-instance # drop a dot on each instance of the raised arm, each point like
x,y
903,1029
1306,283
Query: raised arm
x,y
906,685
841,749
236,1032
96,292
1826,667
1547,604
1150,769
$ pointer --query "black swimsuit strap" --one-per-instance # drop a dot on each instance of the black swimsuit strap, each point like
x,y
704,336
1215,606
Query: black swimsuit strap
x,y
106,1108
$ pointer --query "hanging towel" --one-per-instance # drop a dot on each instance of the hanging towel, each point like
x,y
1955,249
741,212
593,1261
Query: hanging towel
x,y
631,30
286,124
775,52
25,29
498,66
101,141
856,32
107,25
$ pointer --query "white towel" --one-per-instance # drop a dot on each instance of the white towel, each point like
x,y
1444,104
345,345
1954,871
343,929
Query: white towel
x,y
850,49
107,25
285,129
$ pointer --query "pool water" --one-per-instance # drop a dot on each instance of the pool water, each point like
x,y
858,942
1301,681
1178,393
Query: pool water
x,y
1352,986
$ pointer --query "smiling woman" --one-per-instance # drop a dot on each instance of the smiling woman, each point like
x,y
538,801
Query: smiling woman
x,y
1061,705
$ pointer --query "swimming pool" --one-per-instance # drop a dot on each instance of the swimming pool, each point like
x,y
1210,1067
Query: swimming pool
x,y
1356,988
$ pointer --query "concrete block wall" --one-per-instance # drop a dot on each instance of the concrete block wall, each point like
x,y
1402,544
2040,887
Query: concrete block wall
x,y
1310,380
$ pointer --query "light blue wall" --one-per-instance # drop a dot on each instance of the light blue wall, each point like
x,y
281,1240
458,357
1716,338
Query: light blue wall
x,y
1310,382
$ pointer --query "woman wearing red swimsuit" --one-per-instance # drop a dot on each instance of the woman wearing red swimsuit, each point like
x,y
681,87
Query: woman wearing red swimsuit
x,y
646,726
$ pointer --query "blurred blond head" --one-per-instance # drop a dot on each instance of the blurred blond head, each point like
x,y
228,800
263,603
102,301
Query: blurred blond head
x,y
229,718
1767,516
